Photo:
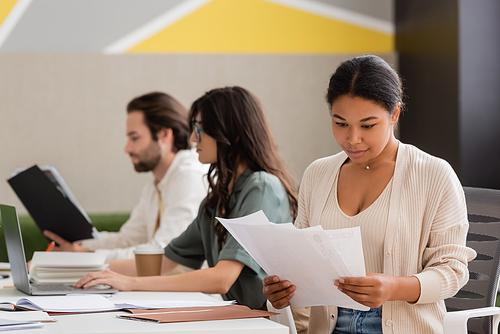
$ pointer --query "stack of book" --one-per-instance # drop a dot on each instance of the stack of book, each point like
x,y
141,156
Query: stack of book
x,y
64,267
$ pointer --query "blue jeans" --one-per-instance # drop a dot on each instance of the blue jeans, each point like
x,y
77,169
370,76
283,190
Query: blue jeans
x,y
351,321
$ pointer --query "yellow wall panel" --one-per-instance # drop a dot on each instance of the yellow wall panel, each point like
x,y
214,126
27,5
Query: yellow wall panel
x,y
257,26
5,8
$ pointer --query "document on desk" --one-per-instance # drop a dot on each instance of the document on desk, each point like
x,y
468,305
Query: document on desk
x,y
31,316
310,258
63,304
8,325
161,304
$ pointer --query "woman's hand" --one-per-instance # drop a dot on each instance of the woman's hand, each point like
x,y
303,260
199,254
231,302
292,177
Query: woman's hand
x,y
117,281
278,292
374,290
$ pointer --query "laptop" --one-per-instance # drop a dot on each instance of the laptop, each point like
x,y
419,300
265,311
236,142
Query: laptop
x,y
19,270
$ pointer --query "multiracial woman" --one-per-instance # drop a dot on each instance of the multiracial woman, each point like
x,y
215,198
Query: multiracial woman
x,y
409,205
246,175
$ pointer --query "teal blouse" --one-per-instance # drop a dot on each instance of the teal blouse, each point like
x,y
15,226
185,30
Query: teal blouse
x,y
252,192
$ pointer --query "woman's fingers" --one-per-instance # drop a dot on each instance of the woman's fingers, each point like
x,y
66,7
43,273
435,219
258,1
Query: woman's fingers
x,y
270,289
85,280
95,282
278,292
372,290
270,280
108,277
272,284
282,302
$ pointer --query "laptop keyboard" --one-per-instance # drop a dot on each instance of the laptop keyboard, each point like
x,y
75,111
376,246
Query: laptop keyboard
x,y
53,287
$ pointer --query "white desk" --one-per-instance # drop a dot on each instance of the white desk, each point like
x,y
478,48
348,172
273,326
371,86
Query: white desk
x,y
108,323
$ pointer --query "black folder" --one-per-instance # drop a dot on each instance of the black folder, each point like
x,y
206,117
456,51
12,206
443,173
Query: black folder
x,y
49,205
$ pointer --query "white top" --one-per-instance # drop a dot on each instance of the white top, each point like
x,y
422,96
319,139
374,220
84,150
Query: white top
x,y
182,189
372,222
425,236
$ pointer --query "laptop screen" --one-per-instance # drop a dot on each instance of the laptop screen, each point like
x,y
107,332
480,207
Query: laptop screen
x,y
15,248
17,260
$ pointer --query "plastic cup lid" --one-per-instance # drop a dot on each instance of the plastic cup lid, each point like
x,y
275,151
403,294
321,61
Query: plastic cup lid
x,y
148,249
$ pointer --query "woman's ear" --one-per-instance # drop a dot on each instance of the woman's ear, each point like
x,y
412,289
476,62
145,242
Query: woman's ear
x,y
395,114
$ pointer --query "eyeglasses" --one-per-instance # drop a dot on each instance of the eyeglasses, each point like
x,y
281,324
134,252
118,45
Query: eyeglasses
x,y
196,129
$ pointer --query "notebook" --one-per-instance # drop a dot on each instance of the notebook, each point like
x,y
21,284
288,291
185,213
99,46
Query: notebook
x,y
18,267
62,304
51,203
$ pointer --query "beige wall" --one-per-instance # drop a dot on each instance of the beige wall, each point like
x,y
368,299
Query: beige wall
x,y
68,111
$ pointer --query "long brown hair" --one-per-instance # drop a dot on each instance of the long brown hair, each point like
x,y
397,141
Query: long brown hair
x,y
235,119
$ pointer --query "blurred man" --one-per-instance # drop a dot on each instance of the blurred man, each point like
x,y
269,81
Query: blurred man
x,y
158,142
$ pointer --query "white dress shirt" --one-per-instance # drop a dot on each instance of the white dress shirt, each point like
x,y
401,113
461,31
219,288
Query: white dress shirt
x,y
182,189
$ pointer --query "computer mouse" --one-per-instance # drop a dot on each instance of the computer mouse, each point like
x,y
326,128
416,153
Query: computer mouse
x,y
101,287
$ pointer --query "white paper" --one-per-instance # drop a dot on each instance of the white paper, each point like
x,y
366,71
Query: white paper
x,y
67,259
64,267
38,316
65,189
7,325
347,242
306,257
156,304
70,303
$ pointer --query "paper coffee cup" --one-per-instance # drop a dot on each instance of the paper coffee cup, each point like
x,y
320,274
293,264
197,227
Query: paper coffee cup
x,y
148,260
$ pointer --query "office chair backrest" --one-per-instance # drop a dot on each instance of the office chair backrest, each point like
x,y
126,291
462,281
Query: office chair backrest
x,y
483,209
284,317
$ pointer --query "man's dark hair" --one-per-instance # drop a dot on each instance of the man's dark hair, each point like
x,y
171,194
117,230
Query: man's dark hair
x,y
163,111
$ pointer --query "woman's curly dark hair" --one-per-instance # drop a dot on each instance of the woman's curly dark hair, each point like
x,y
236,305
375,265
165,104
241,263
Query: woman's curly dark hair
x,y
235,119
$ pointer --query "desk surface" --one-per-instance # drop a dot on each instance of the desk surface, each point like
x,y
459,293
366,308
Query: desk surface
x,y
108,323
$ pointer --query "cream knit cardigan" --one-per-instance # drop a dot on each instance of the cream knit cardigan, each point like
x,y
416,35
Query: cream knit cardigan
x,y
425,237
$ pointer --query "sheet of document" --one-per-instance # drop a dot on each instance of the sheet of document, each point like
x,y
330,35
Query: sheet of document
x,y
68,304
32,316
8,325
307,258
157,304
347,242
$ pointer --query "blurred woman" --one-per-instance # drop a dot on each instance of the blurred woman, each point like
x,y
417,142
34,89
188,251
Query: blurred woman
x,y
246,175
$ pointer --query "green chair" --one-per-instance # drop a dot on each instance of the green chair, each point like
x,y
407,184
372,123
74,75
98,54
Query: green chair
x,y
34,240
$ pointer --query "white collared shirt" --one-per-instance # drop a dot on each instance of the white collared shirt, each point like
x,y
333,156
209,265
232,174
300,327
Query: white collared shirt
x,y
182,189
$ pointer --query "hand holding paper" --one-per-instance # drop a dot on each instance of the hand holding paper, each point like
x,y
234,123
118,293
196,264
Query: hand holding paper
x,y
307,258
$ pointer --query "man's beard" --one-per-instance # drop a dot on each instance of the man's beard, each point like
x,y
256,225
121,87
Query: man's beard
x,y
149,158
